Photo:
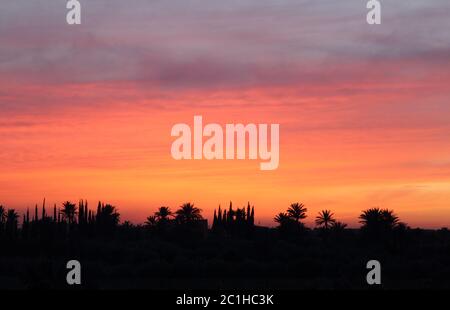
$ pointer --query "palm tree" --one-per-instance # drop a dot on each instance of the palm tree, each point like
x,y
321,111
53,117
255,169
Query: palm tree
x,y
2,215
2,218
239,215
68,211
109,215
163,213
282,218
188,213
151,221
378,220
338,226
390,219
325,219
11,216
11,221
297,211
370,217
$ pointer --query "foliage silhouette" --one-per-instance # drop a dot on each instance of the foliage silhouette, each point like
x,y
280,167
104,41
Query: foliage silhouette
x,y
151,222
187,213
378,222
163,214
297,211
11,223
68,212
170,245
325,219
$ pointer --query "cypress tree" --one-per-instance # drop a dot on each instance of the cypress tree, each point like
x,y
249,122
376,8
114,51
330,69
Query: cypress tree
x,y
214,224
219,216
99,211
43,209
225,218
24,226
86,212
80,212
230,213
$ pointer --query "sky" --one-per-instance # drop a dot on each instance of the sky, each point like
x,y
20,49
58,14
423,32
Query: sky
x,y
86,111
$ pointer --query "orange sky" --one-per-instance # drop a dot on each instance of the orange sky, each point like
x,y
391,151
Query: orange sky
x,y
364,114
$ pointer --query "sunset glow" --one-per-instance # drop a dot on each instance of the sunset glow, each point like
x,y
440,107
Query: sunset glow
x,y
86,112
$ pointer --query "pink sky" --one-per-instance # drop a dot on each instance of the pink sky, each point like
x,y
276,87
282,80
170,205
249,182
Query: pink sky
x,y
86,111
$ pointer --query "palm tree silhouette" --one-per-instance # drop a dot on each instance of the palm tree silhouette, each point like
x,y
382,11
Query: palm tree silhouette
x,y
11,221
325,219
68,211
281,218
297,211
188,213
376,221
163,213
151,221
12,216
338,226
109,215
2,215
389,218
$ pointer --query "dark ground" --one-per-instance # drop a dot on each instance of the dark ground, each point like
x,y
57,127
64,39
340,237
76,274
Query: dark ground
x,y
265,259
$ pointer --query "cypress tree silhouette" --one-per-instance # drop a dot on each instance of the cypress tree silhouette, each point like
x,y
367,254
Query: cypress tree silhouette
x,y
235,222
214,224
225,218
43,209
230,214
81,212
86,211
219,217
36,213
99,211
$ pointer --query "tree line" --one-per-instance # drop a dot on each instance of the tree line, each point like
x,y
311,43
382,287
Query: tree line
x,y
105,219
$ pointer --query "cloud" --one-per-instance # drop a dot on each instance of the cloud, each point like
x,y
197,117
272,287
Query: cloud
x,y
156,52
193,44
